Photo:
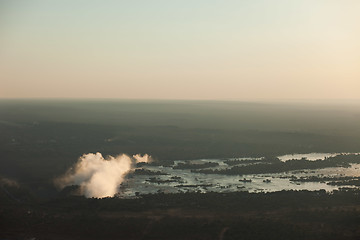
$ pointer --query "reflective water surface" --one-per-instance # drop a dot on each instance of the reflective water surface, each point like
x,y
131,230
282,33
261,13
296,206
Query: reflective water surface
x,y
183,180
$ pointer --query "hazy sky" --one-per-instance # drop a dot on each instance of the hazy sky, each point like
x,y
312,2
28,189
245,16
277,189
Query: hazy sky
x,y
188,49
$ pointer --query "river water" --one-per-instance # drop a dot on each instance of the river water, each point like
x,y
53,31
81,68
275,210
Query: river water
x,y
183,180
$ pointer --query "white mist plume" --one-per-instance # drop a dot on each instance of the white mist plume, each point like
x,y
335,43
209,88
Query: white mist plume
x,y
146,158
100,177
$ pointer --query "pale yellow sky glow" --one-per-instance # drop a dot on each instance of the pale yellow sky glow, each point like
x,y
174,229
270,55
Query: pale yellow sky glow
x,y
240,50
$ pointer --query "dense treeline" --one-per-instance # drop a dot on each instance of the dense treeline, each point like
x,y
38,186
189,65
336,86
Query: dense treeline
x,y
264,216
291,165
141,171
196,166
242,161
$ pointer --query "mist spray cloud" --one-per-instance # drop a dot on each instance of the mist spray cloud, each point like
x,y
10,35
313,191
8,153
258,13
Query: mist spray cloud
x,y
100,177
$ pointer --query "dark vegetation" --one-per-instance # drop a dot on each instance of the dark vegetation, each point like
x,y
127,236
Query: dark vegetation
x,y
335,181
277,166
350,182
162,181
196,166
193,185
239,215
319,179
242,161
141,171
